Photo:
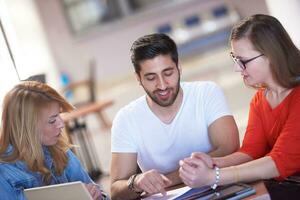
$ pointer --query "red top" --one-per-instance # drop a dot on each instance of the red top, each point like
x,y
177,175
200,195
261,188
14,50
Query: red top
x,y
275,132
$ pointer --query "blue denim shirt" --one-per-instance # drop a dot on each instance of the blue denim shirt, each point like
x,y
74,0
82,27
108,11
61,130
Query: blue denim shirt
x,y
15,177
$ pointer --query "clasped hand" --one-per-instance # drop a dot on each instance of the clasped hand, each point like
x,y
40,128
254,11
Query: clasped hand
x,y
197,170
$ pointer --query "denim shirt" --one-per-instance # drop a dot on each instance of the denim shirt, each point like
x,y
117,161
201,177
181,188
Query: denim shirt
x,y
15,177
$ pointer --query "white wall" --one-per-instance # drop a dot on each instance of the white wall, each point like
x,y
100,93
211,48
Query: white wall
x,y
288,13
28,40
110,47
8,75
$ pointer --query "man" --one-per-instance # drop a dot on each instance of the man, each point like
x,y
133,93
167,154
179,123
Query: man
x,y
166,125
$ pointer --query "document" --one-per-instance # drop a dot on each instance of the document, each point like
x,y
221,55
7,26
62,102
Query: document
x,y
173,194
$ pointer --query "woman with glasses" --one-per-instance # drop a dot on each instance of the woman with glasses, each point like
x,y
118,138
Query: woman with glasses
x,y
268,61
33,149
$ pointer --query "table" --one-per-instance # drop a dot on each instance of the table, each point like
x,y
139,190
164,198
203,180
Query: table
x,y
261,191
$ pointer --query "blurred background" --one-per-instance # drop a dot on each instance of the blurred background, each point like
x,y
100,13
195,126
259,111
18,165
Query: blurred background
x,y
81,48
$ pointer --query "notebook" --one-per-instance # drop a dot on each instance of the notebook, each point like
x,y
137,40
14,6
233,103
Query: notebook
x,y
65,191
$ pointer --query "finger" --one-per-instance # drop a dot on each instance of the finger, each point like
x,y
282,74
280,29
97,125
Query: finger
x,y
147,186
152,188
189,161
158,182
94,192
185,182
187,173
97,193
88,186
166,181
181,162
182,176
196,162
197,154
185,177
189,167
91,189
206,158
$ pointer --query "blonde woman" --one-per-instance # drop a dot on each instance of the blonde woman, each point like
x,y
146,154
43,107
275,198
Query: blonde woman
x,y
33,149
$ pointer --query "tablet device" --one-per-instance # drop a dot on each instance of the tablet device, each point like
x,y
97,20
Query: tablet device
x,y
232,192
66,191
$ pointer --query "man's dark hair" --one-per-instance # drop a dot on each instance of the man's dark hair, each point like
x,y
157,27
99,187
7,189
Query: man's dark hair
x,y
150,46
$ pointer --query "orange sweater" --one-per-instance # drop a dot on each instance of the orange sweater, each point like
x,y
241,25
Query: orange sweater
x,y
275,132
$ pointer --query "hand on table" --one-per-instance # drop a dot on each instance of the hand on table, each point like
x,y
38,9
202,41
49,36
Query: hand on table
x,y
152,182
196,171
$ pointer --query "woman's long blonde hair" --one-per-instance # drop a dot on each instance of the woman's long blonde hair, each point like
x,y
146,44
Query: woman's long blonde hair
x,y
21,109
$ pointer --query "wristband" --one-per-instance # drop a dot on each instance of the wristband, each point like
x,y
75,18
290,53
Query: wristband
x,y
130,184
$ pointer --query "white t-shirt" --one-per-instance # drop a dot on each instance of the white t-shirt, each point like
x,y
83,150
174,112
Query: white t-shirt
x,y
160,146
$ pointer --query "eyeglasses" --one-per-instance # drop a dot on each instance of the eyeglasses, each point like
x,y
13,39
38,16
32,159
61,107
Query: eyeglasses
x,y
242,63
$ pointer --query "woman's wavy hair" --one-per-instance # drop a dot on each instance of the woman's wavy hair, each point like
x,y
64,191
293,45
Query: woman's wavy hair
x,y
269,37
21,111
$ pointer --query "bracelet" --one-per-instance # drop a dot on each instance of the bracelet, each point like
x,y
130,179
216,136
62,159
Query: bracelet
x,y
237,174
217,177
130,184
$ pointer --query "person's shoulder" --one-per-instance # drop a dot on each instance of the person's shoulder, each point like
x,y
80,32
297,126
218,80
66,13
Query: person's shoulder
x,y
7,165
258,97
15,167
297,91
295,95
132,107
69,152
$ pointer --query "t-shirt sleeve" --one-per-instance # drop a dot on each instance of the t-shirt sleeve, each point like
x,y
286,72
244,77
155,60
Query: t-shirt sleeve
x,y
286,151
121,139
215,103
255,142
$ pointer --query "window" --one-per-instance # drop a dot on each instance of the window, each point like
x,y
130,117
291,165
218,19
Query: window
x,y
85,14
8,73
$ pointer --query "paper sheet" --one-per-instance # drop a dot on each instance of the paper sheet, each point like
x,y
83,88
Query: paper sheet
x,y
172,194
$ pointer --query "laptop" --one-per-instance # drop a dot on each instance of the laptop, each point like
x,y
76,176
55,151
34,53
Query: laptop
x,y
65,191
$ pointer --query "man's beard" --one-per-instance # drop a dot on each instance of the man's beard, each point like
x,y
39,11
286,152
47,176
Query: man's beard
x,y
170,101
